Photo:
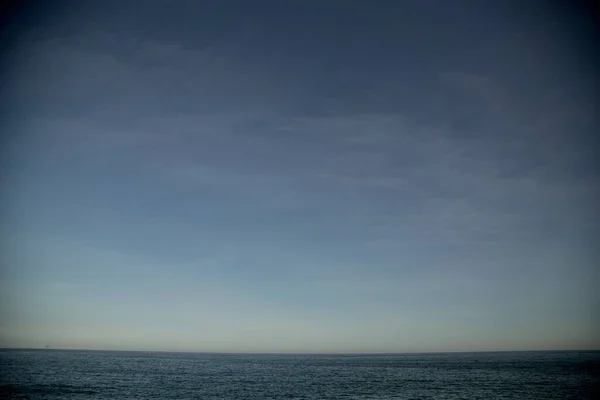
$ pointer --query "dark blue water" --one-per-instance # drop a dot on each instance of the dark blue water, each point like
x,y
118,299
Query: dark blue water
x,y
55,374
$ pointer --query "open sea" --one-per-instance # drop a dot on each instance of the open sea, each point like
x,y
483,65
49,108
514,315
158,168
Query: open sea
x,y
71,374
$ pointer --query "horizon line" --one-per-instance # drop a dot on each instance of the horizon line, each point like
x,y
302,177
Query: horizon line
x,y
257,353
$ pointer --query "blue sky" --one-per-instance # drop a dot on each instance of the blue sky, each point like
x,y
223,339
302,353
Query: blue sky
x,y
300,177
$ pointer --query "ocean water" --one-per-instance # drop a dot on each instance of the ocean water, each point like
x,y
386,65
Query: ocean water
x,y
57,374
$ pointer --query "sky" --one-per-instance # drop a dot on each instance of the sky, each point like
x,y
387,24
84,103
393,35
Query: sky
x,y
299,176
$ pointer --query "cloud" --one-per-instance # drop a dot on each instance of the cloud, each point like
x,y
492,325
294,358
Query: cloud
x,y
480,88
98,74
68,286
393,174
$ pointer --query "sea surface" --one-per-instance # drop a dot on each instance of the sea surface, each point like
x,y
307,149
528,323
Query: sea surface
x,y
71,374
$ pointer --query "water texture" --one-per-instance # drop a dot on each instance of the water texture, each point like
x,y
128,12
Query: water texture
x,y
60,374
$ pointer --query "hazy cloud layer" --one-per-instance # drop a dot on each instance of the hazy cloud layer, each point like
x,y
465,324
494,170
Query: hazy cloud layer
x,y
306,178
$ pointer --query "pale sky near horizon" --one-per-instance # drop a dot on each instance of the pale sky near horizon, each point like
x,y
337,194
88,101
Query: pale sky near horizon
x,y
300,176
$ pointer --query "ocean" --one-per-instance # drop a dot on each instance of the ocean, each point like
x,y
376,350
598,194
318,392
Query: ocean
x,y
72,374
